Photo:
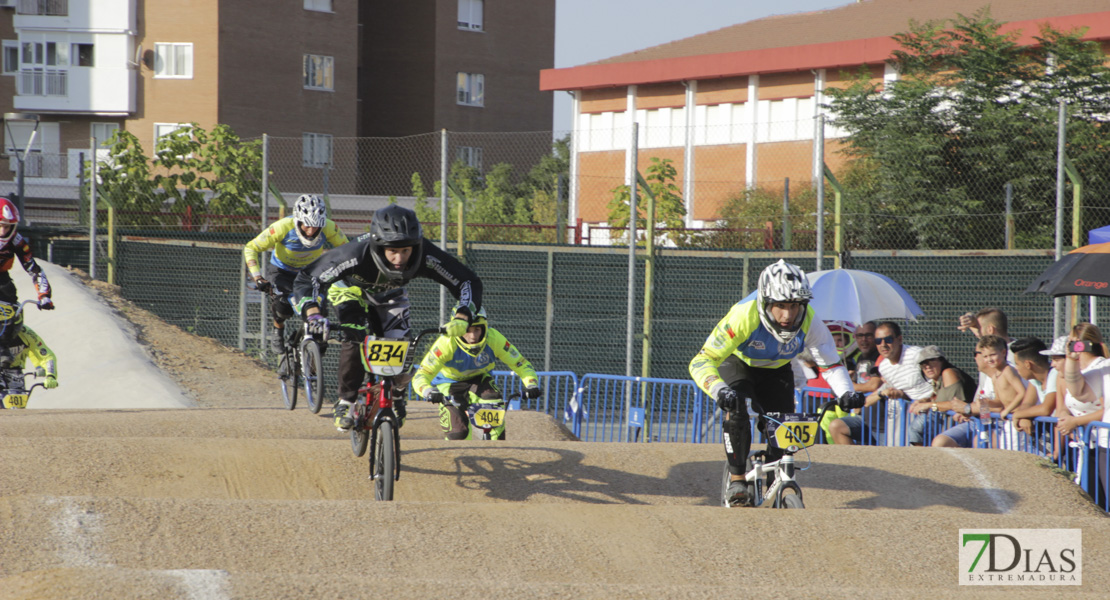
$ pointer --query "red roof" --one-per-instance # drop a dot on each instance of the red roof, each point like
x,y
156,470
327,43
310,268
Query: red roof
x,y
842,37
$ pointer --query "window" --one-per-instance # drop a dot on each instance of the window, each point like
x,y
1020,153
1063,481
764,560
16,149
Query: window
x,y
11,57
318,71
104,131
82,55
470,14
470,156
471,89
173,61
39,75
316,150
161,130
318,5
50,8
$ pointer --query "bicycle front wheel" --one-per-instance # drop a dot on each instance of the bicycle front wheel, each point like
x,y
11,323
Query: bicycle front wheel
x,y
385,462
287,374
312,370
792,501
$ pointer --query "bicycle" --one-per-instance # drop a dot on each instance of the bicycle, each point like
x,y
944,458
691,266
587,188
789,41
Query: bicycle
x,y
375,422
486,416
300,363
792,432
16,394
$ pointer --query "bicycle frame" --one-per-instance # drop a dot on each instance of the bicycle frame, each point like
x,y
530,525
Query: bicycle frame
x,y
377,408
783,469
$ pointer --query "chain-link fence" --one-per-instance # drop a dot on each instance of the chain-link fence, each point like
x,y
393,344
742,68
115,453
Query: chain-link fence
x,y
961,233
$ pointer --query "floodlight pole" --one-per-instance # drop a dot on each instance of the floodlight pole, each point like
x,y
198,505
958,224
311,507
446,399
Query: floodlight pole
x,y
21,157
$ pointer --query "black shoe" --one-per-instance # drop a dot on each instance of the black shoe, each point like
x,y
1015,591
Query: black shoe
x,y
737,493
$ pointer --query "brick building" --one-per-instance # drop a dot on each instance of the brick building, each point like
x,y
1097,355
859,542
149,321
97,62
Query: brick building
x,y
737,107
317,70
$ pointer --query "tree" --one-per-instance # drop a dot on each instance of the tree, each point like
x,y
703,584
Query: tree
x,y
971,111
494,198
670,210
192,170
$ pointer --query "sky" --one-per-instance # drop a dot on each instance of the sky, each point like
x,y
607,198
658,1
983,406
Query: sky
x,y
590,30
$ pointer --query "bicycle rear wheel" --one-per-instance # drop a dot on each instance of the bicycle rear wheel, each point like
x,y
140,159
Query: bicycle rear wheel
x,y
385,462
287,374
312,369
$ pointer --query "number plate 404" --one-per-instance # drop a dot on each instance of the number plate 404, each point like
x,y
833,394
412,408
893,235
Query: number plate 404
x,y
385,357
796,434
15,401
488,417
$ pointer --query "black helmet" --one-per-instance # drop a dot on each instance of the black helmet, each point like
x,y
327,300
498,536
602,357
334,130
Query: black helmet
x,y
396,227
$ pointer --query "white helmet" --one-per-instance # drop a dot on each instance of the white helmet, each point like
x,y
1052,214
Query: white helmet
x,y
309,211
782,282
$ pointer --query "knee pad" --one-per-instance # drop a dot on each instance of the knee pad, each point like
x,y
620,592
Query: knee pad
x,y
281,310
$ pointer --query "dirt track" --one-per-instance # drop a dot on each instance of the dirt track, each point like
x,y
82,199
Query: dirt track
x,y
242,499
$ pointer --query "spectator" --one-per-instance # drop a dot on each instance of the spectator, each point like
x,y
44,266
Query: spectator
x,y
993,372
1032,366
901,380
1085,369
953,388
988,321
1046,387
866,377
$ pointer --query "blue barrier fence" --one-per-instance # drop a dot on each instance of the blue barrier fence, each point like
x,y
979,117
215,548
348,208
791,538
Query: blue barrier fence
x,y
615,408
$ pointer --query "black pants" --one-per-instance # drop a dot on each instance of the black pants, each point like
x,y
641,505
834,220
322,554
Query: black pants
x,y
454,420
386,314
282,280
772,388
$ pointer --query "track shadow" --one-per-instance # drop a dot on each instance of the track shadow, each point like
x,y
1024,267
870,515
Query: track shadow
x,y
565,476
902,492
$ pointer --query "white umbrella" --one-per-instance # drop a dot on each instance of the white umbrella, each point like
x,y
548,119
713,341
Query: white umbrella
x,y
860,296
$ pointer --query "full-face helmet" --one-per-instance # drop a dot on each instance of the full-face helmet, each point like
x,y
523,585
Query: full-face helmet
x,y
475,348
846,330
782,282
9,221
396,227
310,211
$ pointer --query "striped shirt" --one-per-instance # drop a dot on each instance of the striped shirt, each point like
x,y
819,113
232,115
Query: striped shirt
x,y
906,374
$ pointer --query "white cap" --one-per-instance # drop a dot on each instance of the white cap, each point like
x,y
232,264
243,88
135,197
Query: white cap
x,y
1059,347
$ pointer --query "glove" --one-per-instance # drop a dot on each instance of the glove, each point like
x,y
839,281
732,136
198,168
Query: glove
x,y
45,303
456,327
434,396
852,400
316,324
532,392
262,285
51,382
728,400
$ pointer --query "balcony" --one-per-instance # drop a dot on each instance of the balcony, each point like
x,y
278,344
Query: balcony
x,y
43,82
47,8
84,90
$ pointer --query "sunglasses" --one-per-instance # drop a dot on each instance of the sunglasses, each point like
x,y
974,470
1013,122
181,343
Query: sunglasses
x,y
870,335
888,340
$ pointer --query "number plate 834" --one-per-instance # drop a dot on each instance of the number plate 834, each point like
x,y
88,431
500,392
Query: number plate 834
x,y
384,357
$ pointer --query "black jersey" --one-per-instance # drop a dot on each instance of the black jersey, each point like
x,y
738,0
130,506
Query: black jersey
x,y
354,265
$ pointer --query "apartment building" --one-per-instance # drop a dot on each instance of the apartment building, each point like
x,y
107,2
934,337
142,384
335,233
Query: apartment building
x,y
306,71
736,107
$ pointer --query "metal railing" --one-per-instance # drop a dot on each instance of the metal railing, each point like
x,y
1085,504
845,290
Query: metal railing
x,y
49,8
43,82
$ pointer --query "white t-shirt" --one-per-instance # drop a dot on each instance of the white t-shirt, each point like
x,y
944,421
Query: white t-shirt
x,y
1095,374
906,374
